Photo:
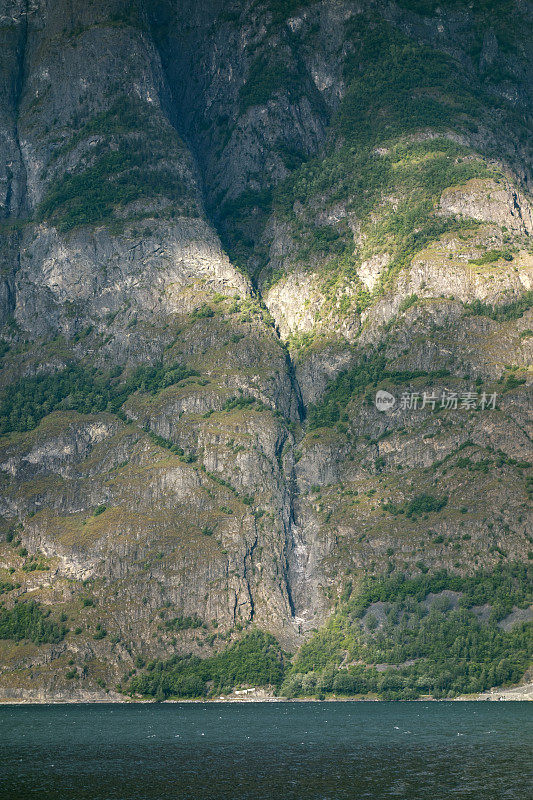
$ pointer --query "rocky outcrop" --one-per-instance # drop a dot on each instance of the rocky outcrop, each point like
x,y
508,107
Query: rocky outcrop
x,y
487,201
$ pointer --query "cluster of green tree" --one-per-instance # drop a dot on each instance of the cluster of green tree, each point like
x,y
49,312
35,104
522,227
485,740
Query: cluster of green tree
x,y
156,378
6,586
266,76
418,506
513,382
369,372
28,621
485,464
117,178
256,660
100,632
452,653
482,465
505,586
501,459
241,402
424,645
35,566
203,312
504,16
274,71
396,85
160,441
503,313
421,647
491,256
80,389
127,115
119,175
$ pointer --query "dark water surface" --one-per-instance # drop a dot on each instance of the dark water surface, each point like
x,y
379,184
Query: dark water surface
x,y
267,751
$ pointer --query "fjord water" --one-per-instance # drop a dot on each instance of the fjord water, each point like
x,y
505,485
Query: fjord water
x,y
267,751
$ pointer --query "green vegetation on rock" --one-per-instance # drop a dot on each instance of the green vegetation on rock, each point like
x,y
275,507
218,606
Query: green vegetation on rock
x,y
86,391
256,660
135,167
397,91
418,639
369,372
266,77
397,637
29,621
183,623
115,179
418,506
502,313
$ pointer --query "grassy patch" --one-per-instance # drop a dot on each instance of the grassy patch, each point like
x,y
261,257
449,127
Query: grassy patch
x,y
184,623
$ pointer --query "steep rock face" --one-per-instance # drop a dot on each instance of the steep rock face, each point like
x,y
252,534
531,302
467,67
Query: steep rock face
x,y
223,230
100,149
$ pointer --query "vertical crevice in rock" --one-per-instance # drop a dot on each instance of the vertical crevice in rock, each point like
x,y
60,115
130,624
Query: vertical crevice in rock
x,y
18,89
14,171
247,571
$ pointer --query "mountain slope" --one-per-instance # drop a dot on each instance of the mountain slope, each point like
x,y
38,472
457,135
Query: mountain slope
x,y
224,229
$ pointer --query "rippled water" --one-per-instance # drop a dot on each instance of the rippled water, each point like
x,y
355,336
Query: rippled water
x,y
272,751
